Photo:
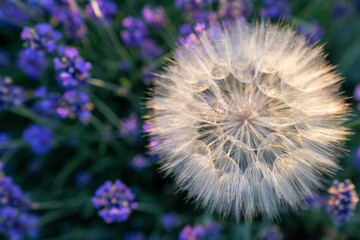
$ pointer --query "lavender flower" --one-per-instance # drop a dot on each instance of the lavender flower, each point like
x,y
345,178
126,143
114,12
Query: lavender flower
x,y
75,104
357,93
342,201
148,74
4,58
135,31
341,9
170,221
72,70
312,31
357,157
114,201
46,103
213,229
107,9
12,14
275,9
154,17
4,139
10,95
271,233
234,10
15,220
185,29
139,162
31,62
149,49
41,38
67,13
191,6
195,232
39,138
315,201
130,126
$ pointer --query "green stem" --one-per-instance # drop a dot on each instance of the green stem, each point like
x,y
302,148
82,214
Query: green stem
x,y
25,112
118,90
106,111
353,123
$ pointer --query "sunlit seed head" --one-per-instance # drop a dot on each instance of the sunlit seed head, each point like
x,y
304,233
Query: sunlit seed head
x,y
248,119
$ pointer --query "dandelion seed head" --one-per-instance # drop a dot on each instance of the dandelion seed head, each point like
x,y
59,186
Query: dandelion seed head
x,y
249,119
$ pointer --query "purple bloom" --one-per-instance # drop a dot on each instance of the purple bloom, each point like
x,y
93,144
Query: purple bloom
x,y
139,162
4,58
195,232
41,38
135,31
275,9
200,27
10,13
341,9
154,17
130,126
342,201
315,201
67,13
10,95
213,229
149,49
312,31
39,138
46,103
72,70
148,74
31,62
114,201
185,29
231,11
357,93
357,157
75,104
134,236
107,9
192,5
170,221
4,140
15,220
82,178
271,233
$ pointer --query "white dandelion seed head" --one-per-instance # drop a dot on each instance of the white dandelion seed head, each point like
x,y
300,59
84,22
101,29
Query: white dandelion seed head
x,y
248,119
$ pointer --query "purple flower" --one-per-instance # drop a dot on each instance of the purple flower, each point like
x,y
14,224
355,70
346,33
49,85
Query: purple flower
x,y
341,9
134,236
4,58
312,31
200,27
4,140
275,9
342,201
135,31
192,5
149,49
10,95
357,93
67,13
72,70
154,17
15,220
41,38
195,232
75,104
10,13
114,201
170,221
139,162
130,126
82,178
107,9
357,157
231,11
315,201
213,229
148,74
46,103
39,138
31,62
185,29
271,233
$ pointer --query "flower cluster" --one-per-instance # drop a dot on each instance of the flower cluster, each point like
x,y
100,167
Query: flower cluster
x,y
274,9
12,14
39,138
154,17
72,70
271,233
114,201
196,232
170,221
41,38
67,13
16,222
342,202
32,62
10,95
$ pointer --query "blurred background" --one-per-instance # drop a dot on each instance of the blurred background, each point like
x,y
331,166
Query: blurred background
x,y
74,76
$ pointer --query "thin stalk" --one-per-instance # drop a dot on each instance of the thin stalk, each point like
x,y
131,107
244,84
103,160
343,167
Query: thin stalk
x,y
106,111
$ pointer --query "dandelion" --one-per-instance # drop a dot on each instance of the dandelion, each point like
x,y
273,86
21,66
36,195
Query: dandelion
x,y
248,119
342,202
